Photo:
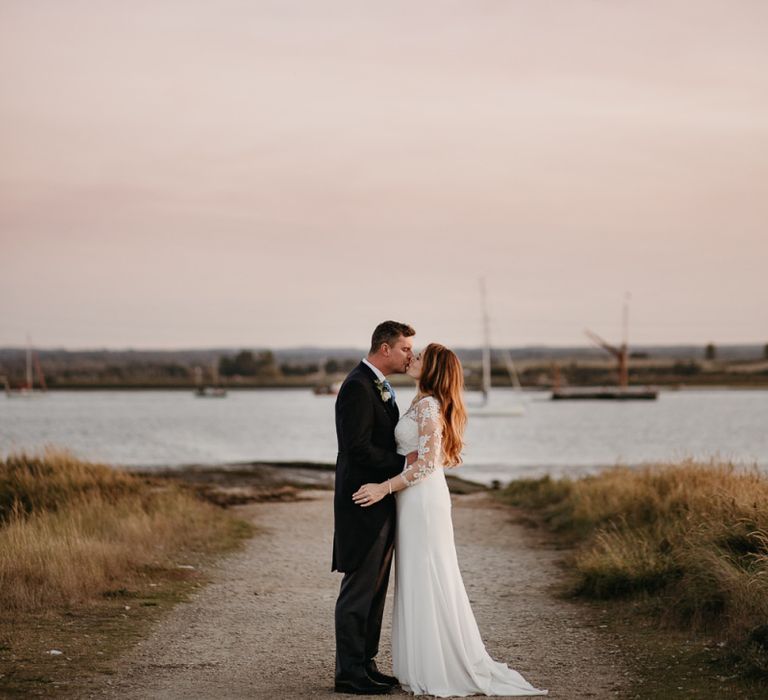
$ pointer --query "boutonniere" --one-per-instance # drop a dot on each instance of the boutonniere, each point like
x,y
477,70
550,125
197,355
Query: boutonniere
x,y
383,392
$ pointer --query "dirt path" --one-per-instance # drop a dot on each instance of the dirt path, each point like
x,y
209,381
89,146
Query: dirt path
x,y
264,627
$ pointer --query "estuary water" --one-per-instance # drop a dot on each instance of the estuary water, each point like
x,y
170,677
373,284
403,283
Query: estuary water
x,y
169,428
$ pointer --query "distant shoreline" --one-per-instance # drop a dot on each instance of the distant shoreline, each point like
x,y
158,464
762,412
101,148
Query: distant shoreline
x,y
749,383
539,370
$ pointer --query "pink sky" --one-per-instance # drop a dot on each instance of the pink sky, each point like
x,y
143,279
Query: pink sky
x,y
185,173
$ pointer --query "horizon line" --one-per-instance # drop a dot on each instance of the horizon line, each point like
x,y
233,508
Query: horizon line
x,y
244,346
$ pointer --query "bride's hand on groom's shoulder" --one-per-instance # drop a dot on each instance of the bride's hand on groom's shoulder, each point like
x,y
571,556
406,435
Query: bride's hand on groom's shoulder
x,y
368,494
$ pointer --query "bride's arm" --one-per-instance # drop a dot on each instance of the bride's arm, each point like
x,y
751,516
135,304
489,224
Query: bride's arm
x,y
429,456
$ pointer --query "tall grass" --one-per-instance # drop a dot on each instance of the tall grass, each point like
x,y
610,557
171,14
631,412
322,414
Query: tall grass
x,y
71,530
693,537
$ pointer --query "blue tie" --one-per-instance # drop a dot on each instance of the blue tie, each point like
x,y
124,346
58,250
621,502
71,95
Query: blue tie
x,y
391,391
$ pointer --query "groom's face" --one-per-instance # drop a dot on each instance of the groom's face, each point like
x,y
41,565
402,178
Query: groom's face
x,y
400,355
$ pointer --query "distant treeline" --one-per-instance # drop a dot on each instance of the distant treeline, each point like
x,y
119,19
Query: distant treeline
x,y
708,365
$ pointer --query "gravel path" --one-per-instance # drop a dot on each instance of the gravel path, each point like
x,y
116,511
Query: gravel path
x,y
264,627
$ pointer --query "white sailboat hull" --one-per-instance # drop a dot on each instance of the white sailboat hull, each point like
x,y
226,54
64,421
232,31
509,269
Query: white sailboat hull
x,y
490,412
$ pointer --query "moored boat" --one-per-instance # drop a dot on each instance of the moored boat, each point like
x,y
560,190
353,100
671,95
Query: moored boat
x,y
605,392
28,390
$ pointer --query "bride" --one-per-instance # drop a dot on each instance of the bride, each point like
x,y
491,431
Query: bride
x,y
436,644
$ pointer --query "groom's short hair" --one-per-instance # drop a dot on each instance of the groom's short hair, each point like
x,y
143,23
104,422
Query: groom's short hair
x,y
388,332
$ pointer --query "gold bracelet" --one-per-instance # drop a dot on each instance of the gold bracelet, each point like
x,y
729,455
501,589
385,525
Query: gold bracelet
x,y
389,481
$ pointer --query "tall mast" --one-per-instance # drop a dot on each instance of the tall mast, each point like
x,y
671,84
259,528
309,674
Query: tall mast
x,y
625,319
620,353
624,359
486,388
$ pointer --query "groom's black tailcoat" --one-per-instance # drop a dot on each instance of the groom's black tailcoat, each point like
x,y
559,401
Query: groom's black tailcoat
x,y
365,429
363,540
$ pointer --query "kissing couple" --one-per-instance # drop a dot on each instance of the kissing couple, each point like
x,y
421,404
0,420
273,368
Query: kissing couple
x,y
391,496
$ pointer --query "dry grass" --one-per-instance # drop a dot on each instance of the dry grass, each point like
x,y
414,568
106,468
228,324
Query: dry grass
x,y
71,530
693,537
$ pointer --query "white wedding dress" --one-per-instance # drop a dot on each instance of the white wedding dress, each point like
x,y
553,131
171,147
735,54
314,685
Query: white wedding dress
x,y
436,644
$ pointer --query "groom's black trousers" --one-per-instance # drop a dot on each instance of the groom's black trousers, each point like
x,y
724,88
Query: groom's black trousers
x,y
360,606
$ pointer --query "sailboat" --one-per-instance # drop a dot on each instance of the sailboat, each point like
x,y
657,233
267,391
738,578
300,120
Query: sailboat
x,y
486,409
28,389
212,390
623,392
324,386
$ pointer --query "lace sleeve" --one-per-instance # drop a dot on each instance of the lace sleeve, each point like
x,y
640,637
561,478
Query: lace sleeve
x,y
430,424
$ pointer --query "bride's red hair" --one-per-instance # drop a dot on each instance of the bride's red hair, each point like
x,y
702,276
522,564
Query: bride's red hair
x,y
443,377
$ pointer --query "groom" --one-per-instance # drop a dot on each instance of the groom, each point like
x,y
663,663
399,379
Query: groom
x,y
363,540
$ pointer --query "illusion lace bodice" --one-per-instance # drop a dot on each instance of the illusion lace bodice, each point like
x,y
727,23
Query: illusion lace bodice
x,y
421,429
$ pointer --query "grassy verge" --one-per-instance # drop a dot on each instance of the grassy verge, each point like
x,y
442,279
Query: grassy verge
x,y
89,557
678,547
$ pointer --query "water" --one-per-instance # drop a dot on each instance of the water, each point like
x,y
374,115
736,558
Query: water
x,y
154,428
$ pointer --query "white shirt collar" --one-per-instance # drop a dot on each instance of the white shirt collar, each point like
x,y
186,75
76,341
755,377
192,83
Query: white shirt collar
x,y
376,370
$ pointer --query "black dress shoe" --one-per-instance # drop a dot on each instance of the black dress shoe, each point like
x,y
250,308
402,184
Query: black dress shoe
x,y
361,686
377,676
